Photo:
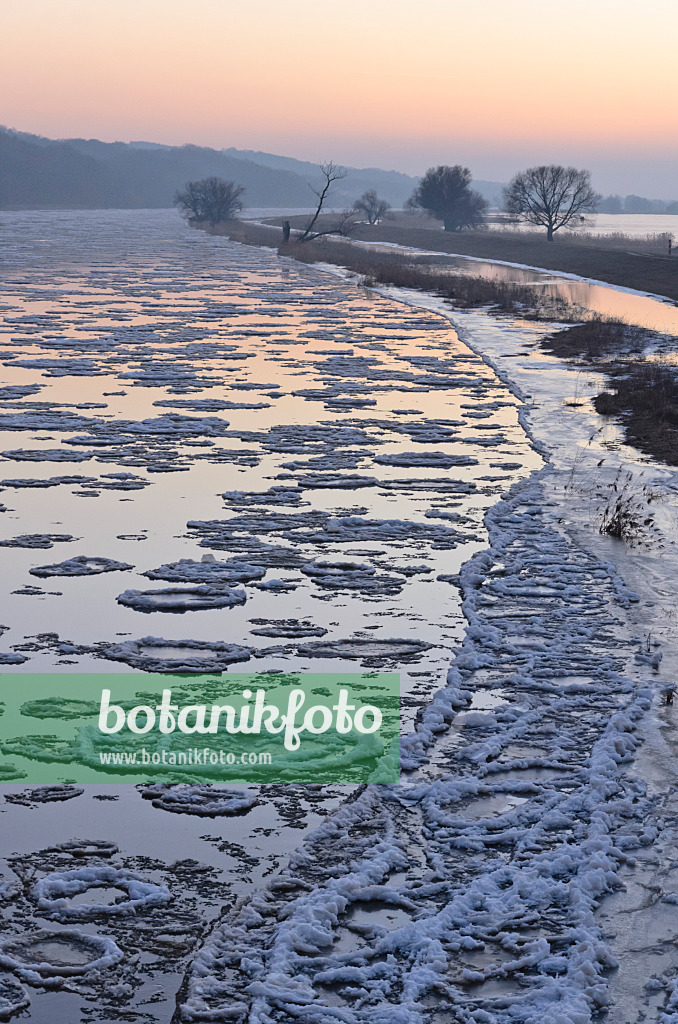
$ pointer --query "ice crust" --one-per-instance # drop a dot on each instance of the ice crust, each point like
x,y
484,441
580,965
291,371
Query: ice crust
x,y
22,955
181,599
155,654
54,892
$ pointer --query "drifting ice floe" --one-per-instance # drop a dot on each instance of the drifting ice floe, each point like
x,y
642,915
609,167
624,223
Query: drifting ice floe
x,y
342,481
287,628
352,576
204,801
369,651
154,654
80,565
358,529
83,848
47,455
440,460
208,571
178,599
47,957
277,495
44,795
37,540
281,586
54,893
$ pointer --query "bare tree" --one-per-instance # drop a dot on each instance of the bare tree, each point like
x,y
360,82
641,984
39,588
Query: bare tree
x,y
446,193
212,199
371,206
551,196
331,172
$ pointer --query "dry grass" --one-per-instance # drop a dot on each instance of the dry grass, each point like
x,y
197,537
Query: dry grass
x,y
462,290
644,396
615,258
651,244
626,512
597,338
655,244
587,257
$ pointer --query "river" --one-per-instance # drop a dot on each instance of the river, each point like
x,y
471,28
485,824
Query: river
x,y
290,419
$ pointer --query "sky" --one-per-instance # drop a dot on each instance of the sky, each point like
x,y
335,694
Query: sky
x,y
497,85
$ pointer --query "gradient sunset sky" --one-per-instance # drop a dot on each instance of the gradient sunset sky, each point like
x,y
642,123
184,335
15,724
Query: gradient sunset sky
x,y
496,85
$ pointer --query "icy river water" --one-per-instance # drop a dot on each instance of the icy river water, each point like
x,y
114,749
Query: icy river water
x,y
378,483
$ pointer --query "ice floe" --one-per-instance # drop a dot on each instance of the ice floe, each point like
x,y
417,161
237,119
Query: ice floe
x,y
203,801
367,650
47,957
46,455
155,654
37,540
56,793
208,571
81,565
290,629
54,893
182,599
440,460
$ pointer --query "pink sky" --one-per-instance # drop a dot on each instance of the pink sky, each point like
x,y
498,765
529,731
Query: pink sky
x,y
496,85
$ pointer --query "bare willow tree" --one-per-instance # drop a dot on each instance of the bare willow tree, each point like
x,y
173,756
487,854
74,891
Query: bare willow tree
x,y
331,172
371,207
551,196
214,200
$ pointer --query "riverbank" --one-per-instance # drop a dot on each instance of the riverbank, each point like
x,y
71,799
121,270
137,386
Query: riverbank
x,y
390,266
642,272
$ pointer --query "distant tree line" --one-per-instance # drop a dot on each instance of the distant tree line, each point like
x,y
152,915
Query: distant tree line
x,y
636,204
